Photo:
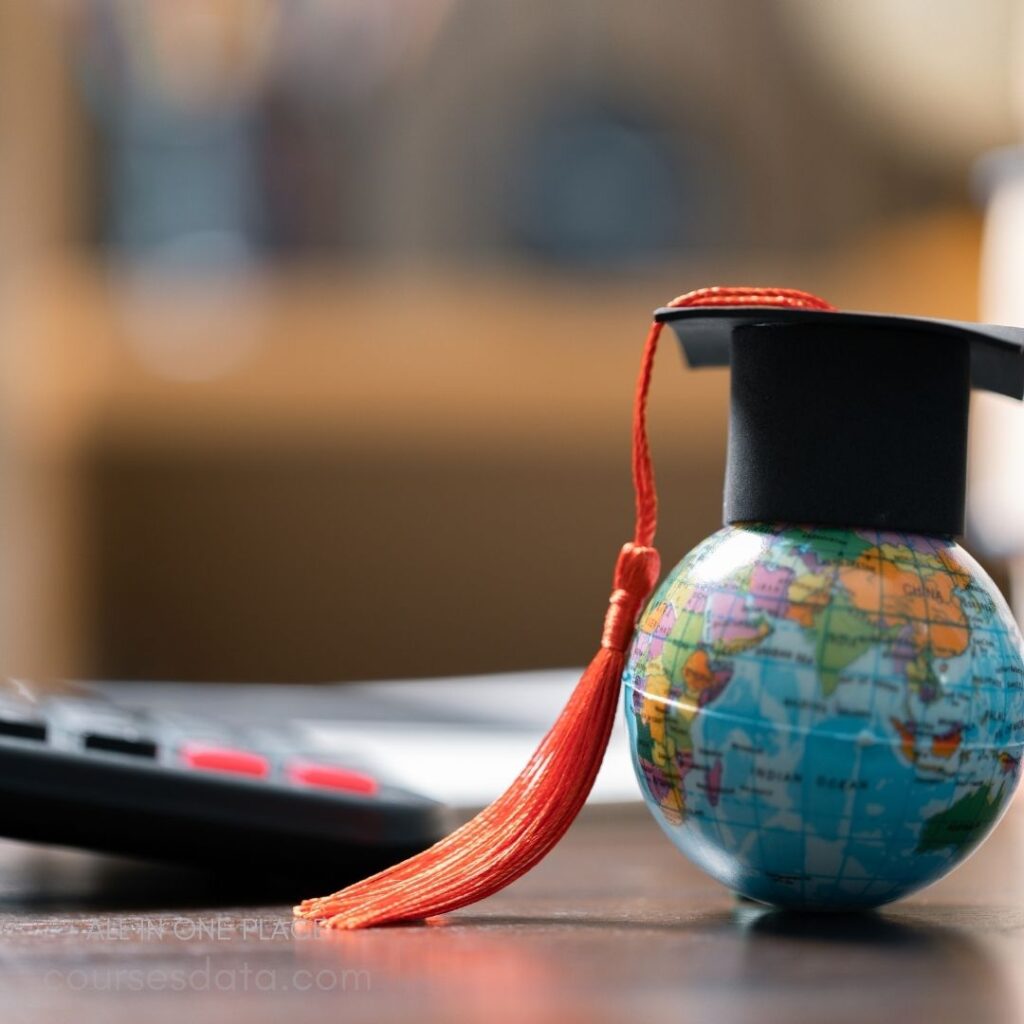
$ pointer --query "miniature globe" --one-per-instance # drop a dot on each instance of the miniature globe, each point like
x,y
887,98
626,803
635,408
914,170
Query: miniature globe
x,y
826,718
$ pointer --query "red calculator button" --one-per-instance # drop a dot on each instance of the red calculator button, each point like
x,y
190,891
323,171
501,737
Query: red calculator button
x,y
225,759
330,776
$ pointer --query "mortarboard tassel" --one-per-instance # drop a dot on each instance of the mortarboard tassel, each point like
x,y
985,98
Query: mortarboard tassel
x,y
515,832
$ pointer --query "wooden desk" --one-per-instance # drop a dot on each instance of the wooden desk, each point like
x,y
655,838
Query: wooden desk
x,y
613,926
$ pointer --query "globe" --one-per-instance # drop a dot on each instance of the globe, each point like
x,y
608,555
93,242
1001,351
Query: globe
x,y
826,718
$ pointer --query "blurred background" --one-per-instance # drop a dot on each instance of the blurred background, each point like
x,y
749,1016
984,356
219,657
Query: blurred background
x,y
319,319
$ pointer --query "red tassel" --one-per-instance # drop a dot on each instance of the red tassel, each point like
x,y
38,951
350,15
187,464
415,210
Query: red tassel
x,y
510,836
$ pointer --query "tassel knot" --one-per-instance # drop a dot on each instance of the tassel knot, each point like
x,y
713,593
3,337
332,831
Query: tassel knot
x,y
636,574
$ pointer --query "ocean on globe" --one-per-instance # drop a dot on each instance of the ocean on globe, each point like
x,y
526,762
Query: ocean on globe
x,y
826,718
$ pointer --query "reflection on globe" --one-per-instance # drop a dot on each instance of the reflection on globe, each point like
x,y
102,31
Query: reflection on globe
x,y
826,717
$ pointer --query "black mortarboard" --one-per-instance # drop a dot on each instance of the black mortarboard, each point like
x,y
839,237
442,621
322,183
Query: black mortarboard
x,y
849,419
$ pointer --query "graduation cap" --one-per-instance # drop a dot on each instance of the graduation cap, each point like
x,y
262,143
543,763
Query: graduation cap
x,y
846,419
849,419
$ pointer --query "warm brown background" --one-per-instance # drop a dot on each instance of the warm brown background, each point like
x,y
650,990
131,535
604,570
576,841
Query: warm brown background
x,y
418,464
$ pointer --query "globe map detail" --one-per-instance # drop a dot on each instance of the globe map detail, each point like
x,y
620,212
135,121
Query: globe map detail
x,y
826,717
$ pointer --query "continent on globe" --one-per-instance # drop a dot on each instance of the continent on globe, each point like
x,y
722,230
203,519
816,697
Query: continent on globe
x,y
964,823
823,716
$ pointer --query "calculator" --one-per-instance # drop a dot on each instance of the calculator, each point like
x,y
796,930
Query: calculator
x,y
79,769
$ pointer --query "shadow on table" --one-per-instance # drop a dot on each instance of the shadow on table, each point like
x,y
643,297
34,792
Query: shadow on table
x,y
39,878
938,960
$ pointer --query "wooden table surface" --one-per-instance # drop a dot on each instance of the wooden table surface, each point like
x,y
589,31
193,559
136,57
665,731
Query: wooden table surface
x,y
613,926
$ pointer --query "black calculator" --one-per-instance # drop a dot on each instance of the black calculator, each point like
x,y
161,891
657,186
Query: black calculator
x,y
78,769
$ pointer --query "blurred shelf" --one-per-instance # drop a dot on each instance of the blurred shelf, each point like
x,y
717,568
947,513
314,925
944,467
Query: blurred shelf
x,y
359,357
350,359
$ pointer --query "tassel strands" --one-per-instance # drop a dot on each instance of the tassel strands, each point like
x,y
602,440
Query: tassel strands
x,y
517,830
